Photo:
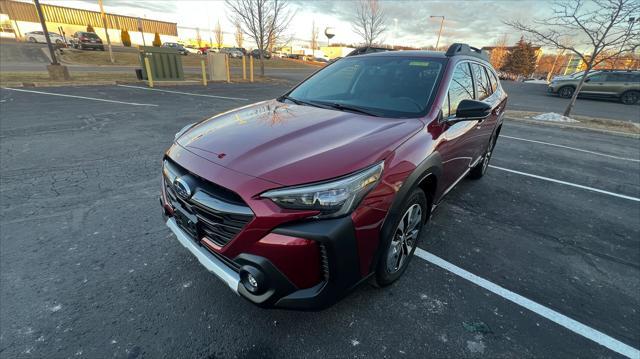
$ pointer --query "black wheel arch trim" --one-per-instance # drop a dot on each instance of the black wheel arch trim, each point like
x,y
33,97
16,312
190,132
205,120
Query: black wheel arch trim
x,y
430,166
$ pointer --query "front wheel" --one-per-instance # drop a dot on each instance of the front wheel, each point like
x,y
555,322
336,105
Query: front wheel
x,y
400,243
566,92
33,40
630,97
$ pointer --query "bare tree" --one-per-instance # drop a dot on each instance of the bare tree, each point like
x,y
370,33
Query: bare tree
x,y
217,32
369,21
239,35
595,31
263,21
314,38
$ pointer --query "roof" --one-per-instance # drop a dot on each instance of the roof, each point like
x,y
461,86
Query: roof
x,y
409,53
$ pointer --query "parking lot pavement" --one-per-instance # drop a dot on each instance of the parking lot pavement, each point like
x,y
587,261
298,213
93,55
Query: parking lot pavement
x,y
87,267
533,97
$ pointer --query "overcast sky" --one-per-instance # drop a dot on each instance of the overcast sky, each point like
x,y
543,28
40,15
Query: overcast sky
x,y
475,22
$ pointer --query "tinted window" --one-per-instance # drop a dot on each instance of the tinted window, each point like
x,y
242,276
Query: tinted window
x,y
386,86
493,79
461,87
597,77
619,77
483,86
90,35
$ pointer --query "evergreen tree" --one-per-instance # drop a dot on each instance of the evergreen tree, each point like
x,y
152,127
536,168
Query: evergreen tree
x,y
521,60
156,40
125,38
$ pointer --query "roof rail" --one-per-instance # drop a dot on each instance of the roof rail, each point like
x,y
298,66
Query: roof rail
x,y
464,49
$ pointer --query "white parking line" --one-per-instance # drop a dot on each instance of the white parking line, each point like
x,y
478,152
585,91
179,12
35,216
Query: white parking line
x,y
81,97
571,148
636,199
573,325
185,93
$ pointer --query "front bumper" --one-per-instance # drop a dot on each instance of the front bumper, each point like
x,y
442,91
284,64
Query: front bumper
x,y
208,260
337,239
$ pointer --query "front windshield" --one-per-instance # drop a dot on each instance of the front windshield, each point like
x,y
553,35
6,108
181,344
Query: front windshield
x,y
380,85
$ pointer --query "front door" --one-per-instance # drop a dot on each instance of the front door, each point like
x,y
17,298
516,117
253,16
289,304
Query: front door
x,y
456,145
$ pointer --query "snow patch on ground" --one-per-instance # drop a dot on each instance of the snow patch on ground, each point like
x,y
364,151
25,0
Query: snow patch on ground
x,y
553,117
476,346
355,342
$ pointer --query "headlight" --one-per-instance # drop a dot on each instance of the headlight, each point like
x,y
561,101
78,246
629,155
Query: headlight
x,y
333,198
183,130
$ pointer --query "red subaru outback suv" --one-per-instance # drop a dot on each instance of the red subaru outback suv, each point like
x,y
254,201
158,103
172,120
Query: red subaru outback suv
x,y
294,201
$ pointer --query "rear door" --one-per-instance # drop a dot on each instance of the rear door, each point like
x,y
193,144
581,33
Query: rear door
x,y
484,92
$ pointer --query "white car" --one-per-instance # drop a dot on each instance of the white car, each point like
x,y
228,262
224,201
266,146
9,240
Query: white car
x,y
192,49
38,36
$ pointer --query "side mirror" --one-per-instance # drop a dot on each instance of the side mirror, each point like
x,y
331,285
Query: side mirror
x,y
587,80
472,110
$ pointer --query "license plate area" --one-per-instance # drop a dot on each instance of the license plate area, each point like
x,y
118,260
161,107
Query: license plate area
x,y
187,221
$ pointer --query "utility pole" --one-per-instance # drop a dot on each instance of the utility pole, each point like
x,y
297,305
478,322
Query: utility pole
x,y
54,60
141,30
439,32
56,71
106,30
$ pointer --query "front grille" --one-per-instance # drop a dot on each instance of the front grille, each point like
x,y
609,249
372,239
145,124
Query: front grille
x,y
221,214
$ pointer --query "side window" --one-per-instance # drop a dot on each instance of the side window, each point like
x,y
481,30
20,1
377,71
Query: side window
x,y
461,87
493,79
618,77
597,77
482,82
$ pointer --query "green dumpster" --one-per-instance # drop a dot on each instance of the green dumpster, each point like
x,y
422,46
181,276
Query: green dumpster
x,y
165,63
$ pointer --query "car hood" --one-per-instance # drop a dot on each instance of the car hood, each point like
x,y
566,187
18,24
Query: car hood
x,y
291,144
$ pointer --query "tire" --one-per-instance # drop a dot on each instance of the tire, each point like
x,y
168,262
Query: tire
x,y
566,92
630,97
397,249
481,168
33,40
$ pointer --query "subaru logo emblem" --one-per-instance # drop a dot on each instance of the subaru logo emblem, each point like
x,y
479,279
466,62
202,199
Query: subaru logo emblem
x,y
182,188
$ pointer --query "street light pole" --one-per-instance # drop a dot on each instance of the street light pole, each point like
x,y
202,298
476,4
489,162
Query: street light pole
x,y
54,60
441,25
106,30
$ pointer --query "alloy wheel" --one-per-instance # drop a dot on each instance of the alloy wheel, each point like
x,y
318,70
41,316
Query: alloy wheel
x,y
487,156
630,98
404,239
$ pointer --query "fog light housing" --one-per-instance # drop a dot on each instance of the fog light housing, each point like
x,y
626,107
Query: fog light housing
x,y
253,280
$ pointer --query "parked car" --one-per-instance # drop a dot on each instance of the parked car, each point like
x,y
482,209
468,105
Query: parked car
x,y
233,52
623,86
265,54
294,201
38,37
86,40
174,45
296,56
280,54
193,50
319,59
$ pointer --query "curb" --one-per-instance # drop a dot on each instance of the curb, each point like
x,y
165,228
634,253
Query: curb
x,y
563,125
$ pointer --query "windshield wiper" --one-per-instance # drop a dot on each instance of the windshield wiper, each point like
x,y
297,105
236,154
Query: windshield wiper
x,y
342,107
299,102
